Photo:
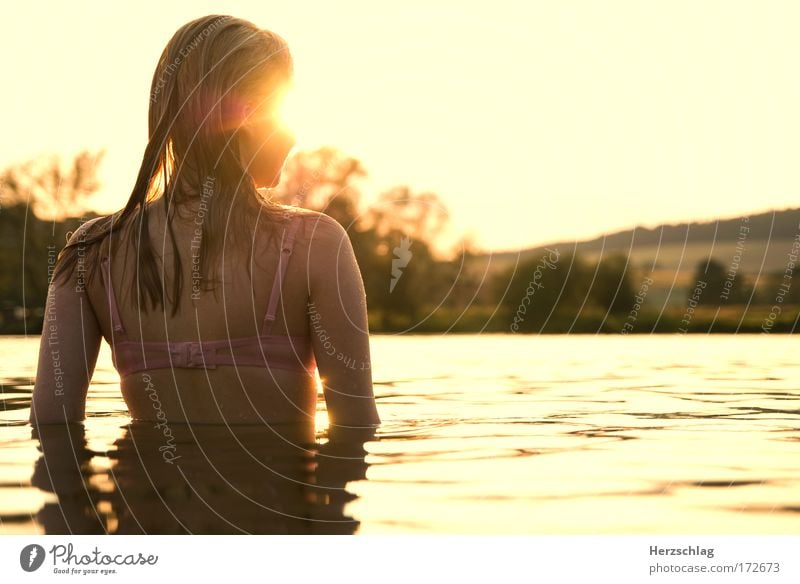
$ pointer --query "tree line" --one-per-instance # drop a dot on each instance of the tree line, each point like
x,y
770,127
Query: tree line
x,y
413,285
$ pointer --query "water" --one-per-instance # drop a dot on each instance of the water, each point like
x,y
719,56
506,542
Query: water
x,y
481,434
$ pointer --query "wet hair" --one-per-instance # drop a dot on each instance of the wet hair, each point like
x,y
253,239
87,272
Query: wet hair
x,y
209,71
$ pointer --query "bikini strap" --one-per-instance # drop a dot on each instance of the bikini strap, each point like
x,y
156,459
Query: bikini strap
x,y
287,243
116,321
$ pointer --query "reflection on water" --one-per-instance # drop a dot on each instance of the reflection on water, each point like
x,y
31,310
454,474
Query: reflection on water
x,y
481,434
206,479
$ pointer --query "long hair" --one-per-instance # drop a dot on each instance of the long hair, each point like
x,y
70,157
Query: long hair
x,y
209,69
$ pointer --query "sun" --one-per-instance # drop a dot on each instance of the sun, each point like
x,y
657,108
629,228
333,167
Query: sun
x,y
297,110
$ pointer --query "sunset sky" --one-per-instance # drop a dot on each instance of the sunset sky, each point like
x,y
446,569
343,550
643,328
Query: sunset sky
x,y
533,121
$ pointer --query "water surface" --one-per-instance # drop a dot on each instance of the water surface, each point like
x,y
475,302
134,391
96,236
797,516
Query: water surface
x,y
481,434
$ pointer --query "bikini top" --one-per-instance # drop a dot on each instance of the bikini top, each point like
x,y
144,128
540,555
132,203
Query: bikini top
x,y
269,351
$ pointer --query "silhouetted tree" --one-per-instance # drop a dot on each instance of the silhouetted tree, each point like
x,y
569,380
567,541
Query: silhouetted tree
x,y
40,204
52,190
551,289
722,286
401,285
611,289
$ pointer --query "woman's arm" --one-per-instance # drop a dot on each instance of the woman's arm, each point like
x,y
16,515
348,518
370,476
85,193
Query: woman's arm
x,y
337,315
67,353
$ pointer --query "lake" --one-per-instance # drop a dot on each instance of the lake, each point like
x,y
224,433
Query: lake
x,y
481,434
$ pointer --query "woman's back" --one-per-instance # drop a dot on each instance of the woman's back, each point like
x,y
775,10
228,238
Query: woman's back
x,y
234,310
320,307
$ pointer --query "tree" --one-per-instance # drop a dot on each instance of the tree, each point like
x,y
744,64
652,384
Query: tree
x,y
40,203
721,286
398,296
612,290
53,190
549,290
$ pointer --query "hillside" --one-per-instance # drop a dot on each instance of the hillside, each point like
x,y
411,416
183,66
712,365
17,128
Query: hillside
x,y
765,238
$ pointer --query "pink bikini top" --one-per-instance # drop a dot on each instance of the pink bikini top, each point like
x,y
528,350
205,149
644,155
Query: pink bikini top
x,y
265,350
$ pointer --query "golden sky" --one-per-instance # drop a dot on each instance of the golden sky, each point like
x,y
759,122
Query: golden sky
x,y
533,121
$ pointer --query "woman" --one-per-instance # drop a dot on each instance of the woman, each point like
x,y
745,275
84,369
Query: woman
x,y
201,287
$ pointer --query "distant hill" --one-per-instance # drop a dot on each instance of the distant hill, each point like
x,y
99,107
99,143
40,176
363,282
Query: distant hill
x,y
680,246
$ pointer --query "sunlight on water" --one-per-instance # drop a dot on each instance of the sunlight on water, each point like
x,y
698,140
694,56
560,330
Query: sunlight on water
x,y
480,434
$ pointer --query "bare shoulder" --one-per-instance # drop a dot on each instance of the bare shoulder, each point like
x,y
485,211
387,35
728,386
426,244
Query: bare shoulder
x,y
79,256
87,228
319,228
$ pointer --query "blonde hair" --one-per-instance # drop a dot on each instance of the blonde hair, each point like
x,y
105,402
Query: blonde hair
x,y
209,70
